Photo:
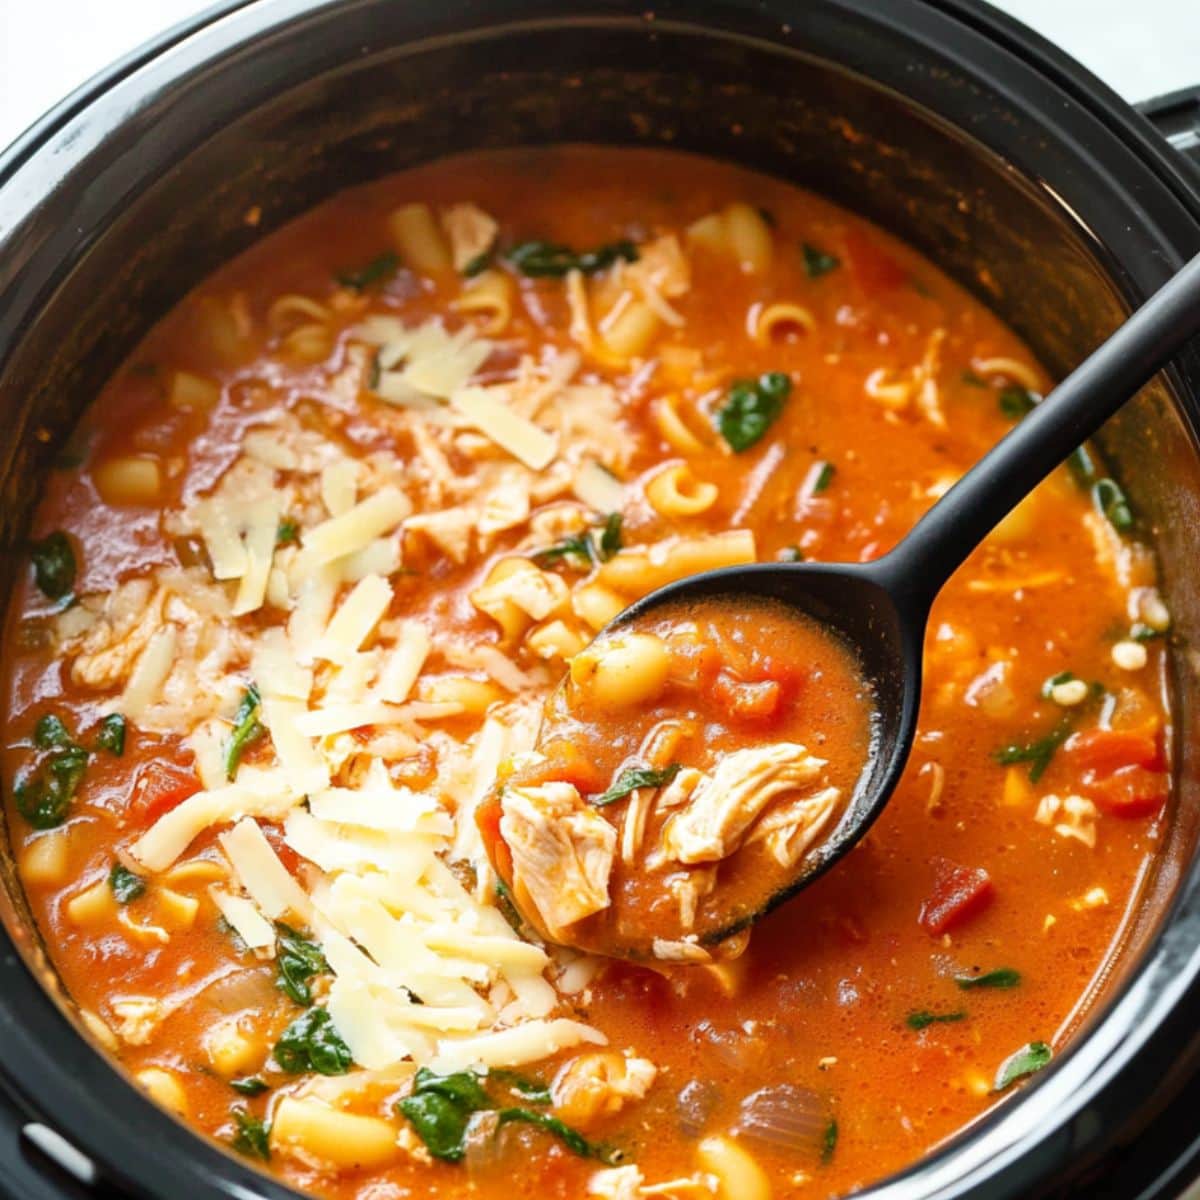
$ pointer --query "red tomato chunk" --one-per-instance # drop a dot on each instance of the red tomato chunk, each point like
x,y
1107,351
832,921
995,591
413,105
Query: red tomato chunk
x,y
959,893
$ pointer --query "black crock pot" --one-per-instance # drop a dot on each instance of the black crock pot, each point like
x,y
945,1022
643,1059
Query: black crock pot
x,y
958,129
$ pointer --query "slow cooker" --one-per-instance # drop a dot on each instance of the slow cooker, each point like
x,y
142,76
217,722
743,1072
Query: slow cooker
x,y
953,126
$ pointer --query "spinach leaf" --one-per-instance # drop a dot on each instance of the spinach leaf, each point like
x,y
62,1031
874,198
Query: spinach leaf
x,y
43,796
250,1086
1001,977
440,1108
534,1090
247,729
1036,753
477,265
752,407
253,1135
50,732
633,778
972,380
829,1141
610,538
297,961
922,1018
1112,504
1016,401
382,267
1026,1061
112,735
126,886
1082,466
54,565
551,259
571,1138
286,532
311,1043
818,262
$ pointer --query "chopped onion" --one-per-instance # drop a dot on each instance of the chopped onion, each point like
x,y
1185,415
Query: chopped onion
x,y
783,1115
482,1146
695,1103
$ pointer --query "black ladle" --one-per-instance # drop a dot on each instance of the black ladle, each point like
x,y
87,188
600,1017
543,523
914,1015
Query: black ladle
x,y
881,608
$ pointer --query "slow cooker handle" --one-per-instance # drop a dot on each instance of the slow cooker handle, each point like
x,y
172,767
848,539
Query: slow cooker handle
x,y
37,1164
1177,117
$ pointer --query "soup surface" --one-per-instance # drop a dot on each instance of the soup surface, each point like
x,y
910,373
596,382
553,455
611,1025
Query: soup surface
x,y
316,558
720,741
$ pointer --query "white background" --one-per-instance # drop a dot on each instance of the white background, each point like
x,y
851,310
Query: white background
x,y
47,47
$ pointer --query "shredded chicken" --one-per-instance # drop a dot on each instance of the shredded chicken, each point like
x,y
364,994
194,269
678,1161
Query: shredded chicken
x,y
723,806
562,853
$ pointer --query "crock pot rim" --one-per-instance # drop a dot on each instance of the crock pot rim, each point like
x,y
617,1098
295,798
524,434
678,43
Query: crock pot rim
x,y
1031,53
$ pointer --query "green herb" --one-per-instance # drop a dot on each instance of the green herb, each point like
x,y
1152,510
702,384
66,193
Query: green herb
x,y
1082,466
581,550
54,565
50,732
1111,503
610,538
440,1109
576,550
533,1090
1016,401
823,477
790,554
311,1043
1053,682
43,796
297,962
1037,753
477,265
829,1141
537,259
287,531
112,735
508,910
818,262
250,1086
252,1136
247,729
1001,977
969,377
376,271
1141,632
571,1138
126,886
633,778
752,407
1026,1061
922,1018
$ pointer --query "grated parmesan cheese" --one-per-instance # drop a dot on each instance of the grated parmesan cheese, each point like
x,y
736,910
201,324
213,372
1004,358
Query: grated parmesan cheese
x,y
510,431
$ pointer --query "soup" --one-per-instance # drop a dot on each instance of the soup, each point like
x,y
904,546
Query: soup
x,y
315,560
700,753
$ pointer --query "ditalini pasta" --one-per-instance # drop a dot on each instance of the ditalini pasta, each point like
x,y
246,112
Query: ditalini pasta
x,y
344,520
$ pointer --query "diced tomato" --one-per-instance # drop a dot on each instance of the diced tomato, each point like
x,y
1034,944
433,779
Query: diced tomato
x,y
1107,750
747,701
565,762
159,787
959,893
1129,792
875,270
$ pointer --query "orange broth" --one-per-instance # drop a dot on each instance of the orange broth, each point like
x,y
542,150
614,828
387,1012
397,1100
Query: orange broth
x,y
1015,842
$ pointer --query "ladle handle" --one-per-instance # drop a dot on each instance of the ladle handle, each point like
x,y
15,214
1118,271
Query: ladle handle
x,y
1047,436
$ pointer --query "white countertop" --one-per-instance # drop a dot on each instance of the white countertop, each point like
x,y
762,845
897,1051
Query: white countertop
x,y
49,47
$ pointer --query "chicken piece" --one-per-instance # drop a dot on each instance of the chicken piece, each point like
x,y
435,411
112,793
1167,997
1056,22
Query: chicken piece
x,y
599,1084
723,806
791,828
562,853
471,232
